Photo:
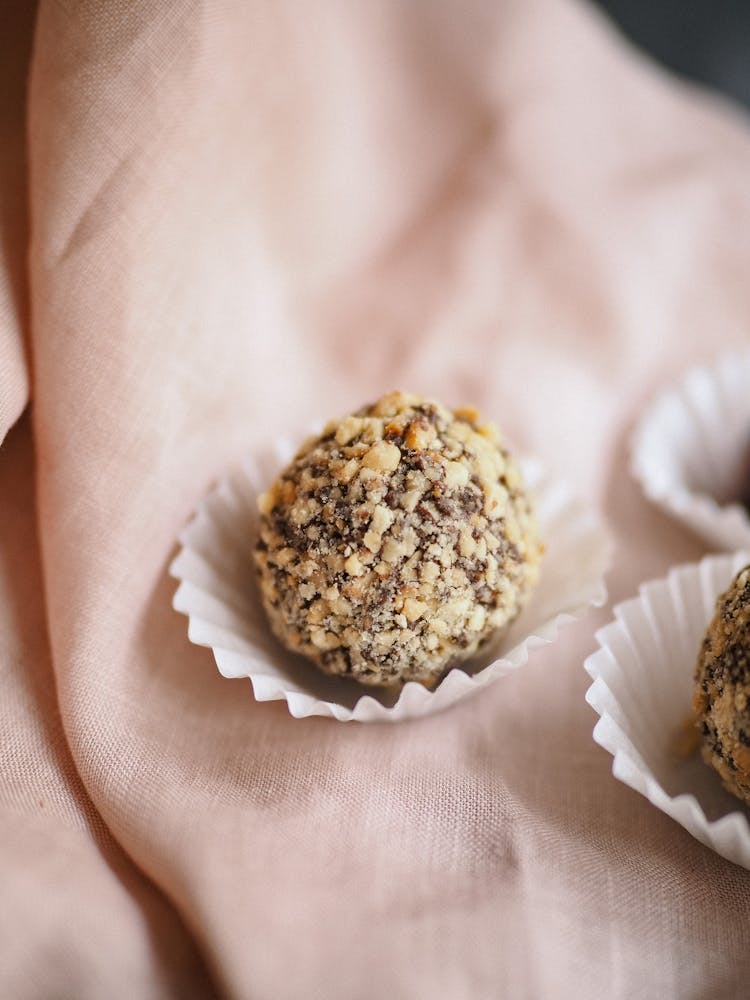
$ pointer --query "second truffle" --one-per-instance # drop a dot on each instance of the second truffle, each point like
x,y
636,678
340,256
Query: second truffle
x,y
723,688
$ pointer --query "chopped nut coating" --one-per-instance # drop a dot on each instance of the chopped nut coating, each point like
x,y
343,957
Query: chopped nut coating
x,y
396,543
722,685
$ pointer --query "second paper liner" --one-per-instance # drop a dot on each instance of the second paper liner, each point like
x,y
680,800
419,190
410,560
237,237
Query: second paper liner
x,y
643,675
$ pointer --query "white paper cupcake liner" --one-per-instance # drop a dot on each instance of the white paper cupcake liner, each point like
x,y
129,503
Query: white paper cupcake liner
x,y
218,593
691,451
643,690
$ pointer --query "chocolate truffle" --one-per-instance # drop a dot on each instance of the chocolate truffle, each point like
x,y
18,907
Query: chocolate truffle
x,y
722,689
396,542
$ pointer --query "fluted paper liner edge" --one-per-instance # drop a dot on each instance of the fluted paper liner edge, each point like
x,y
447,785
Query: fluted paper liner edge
x,y
642,691
218,593
691,451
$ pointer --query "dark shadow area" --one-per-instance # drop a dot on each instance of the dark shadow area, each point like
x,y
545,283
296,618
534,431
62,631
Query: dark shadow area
x,y
704,40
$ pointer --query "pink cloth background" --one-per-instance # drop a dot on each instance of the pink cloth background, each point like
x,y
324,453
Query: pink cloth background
x,y
244,214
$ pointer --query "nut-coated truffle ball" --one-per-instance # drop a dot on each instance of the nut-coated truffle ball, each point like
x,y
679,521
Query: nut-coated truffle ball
x,y
396,542
722,690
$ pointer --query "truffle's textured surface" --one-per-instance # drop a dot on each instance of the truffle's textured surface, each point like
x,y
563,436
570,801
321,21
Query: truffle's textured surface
x,y
723,687
395,543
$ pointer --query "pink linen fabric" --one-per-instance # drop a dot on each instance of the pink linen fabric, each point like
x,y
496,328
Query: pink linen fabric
x,y
242,215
